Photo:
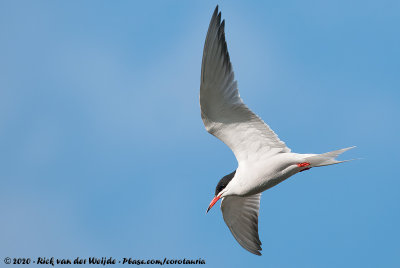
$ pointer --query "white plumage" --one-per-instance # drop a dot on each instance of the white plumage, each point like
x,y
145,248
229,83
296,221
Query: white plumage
x,y
263,159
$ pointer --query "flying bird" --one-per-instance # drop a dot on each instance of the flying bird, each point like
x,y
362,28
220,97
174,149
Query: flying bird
x,y
263,159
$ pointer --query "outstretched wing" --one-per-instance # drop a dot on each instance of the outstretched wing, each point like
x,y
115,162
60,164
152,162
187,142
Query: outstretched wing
x,y
241,216
223,112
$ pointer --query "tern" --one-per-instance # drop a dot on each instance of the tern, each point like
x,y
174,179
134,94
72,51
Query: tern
x,y
263,159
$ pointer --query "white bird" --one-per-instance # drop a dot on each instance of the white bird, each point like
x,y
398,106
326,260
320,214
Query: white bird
x,y
263,159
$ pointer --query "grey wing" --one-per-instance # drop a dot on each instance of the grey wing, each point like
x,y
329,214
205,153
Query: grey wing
x,y
241,216
223,112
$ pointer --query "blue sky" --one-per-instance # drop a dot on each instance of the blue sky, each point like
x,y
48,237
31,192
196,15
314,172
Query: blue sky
x,y
103,152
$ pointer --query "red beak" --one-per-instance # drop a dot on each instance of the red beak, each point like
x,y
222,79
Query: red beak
x,y
215,199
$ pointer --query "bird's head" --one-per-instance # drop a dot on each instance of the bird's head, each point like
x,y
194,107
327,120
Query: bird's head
x,y
220,187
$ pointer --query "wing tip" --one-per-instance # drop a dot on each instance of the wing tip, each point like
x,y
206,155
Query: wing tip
x,y
254,251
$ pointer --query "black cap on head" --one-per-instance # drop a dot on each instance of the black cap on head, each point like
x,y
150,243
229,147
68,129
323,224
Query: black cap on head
x,y
224,182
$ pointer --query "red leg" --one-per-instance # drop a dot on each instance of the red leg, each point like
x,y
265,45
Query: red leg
x,y
304,164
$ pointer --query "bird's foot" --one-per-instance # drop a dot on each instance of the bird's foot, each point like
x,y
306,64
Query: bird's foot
x,y
304,164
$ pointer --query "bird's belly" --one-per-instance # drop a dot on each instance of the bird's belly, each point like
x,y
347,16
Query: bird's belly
x,y
264,184
265,180
269,183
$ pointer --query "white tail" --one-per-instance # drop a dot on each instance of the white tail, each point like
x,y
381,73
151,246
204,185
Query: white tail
x,y
326,159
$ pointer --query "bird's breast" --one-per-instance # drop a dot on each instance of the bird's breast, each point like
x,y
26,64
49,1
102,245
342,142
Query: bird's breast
x,y
257,177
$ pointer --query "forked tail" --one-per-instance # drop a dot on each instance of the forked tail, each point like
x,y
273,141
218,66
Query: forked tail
x,y
319,160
